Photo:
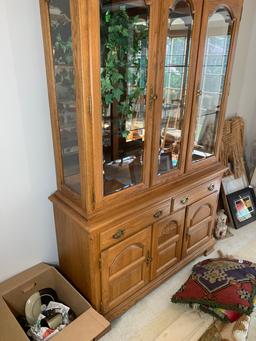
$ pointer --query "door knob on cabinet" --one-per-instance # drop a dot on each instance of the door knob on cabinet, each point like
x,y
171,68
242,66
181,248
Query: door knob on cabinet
x,y
184,201
199,93
211,187
119,234
153,98
158,214
149,259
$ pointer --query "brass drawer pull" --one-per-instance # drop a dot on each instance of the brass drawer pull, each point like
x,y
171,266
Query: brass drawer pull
x,y
184,201
158,214
211,187
119,234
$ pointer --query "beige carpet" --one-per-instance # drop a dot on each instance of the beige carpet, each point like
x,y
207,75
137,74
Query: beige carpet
x,y
155,318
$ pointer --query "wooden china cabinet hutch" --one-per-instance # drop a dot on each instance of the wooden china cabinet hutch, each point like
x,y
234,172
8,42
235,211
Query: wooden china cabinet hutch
x,y
138,92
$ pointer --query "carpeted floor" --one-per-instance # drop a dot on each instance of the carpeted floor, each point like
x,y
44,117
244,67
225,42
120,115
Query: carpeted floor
x,y
155,318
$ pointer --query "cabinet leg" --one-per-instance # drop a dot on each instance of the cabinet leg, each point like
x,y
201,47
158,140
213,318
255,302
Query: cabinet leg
x,y
208,252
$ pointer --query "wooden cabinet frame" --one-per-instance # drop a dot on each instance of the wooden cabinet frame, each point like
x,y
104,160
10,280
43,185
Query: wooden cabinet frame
x,y
93,229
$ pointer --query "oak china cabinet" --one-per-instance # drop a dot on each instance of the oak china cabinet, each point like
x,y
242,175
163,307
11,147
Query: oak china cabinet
x,y
138,92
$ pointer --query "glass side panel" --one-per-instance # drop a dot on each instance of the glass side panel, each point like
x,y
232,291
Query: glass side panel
x,y
61,36
180,25
124,60
212,83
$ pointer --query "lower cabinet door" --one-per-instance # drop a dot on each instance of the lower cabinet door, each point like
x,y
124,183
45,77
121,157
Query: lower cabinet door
x,y
167,243
125,268
199,223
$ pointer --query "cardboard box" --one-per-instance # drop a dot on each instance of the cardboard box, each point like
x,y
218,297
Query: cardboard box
x,y
89,325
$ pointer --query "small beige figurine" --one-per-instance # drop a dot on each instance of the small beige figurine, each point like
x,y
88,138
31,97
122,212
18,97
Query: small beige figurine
x,y
221,226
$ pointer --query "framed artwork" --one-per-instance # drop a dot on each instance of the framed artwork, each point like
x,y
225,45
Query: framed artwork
x,y
242,206
230,185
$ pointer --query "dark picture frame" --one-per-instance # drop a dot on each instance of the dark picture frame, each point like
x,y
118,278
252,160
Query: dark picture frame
x,y
242,205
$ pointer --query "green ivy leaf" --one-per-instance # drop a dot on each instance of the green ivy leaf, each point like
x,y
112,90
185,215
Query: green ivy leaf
x,y
117,93
115,77
108,99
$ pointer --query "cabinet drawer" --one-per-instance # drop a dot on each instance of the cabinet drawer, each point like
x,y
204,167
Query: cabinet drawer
x,y
131,226
187,198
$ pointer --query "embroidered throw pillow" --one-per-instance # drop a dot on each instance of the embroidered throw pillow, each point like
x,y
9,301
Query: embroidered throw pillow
x,y
220,283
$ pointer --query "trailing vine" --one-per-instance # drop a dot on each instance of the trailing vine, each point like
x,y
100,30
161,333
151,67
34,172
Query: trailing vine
x,y
123,56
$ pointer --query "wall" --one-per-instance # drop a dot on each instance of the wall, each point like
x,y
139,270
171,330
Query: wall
x,y
27,233
242,98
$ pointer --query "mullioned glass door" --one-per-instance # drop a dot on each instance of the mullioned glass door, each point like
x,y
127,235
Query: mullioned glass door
x,y
219,31
176,74
124,52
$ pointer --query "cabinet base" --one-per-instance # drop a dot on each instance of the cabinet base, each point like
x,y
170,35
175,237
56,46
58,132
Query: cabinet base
x,y
123,307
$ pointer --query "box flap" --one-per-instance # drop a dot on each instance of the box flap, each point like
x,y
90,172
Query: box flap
x,y
22,277
10,329
85,328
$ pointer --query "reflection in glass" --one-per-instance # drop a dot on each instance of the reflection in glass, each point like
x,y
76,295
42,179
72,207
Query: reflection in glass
x,y
212,83
177,58
65,89
124,54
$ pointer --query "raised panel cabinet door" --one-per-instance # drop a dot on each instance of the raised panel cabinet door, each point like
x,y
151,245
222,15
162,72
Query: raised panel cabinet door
x,y
199,223
125,269
178,49
167,243
220,24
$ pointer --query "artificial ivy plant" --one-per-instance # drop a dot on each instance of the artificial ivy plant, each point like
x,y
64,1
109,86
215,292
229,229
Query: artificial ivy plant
x,y
124,41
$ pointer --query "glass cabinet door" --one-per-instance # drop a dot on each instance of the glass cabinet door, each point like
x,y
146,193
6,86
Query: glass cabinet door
x,y
124,36
61,39
177,62
211,91
178,50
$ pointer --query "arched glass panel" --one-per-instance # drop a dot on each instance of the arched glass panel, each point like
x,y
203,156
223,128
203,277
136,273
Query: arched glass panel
x,y
178,45
124,60
212,83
